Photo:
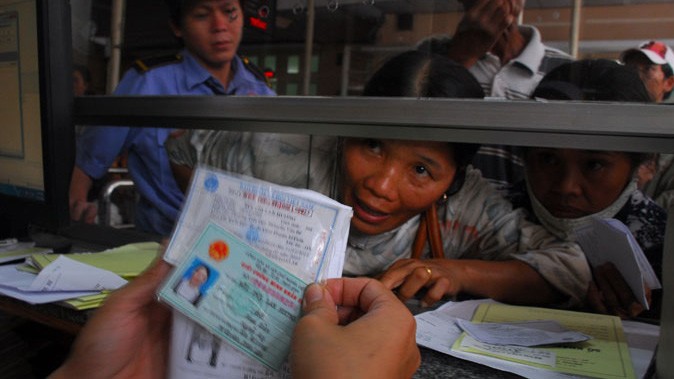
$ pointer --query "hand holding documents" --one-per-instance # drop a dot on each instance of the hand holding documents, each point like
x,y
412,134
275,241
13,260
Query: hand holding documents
x,y
609,240
246,299
244,251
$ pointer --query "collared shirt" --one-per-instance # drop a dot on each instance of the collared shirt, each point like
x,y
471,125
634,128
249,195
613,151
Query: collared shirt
x,y
517,79
97,147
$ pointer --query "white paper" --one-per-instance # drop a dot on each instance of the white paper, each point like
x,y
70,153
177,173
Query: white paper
x,y
65,274
11,280
195,353
609,240
437,330
532,333
301,230
20,250
521,353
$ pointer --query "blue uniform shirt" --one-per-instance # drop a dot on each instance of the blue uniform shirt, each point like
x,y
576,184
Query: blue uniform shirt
x,y
97,147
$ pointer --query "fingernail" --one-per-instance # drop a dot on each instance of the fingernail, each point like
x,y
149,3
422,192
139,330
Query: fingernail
x,y
312,294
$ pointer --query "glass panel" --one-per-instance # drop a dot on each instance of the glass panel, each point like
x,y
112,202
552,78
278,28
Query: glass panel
x,y
270,62
351,38
291,89
293,64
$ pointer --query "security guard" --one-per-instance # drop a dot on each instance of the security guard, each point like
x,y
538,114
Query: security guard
x,y
208,65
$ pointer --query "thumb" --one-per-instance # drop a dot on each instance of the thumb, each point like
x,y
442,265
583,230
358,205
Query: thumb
x,y
317,302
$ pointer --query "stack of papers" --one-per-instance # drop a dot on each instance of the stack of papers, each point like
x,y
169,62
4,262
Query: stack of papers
x,y
18,250
615,348
79,281
609,240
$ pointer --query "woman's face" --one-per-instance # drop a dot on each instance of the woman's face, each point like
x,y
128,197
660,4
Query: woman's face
x,y
387,182
573,183
199,276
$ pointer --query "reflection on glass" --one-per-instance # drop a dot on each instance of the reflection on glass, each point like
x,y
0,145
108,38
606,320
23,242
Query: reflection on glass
x,y
293,64
351,37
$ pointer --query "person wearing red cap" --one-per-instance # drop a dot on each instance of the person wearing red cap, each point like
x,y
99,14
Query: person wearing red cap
x,y
655,62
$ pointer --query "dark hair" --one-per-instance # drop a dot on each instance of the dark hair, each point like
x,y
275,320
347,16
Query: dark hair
x,y
177,8
595,80
420,74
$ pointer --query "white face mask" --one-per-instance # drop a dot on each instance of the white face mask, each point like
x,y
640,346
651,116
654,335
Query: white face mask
x,y
563,227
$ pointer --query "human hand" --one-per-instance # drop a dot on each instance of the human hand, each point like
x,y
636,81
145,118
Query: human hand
x,y
608,293
127,337
353,328
82,210
484,23
410,276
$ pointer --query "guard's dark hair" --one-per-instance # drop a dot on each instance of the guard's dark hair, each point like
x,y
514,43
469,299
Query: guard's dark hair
x,y
177,8
595,80
420,74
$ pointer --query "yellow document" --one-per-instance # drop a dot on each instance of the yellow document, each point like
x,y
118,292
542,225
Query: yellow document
x,y
86,302
606,355
126,261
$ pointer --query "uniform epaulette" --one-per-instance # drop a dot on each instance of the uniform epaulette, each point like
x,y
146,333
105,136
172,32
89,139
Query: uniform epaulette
x,y
147,64
256,71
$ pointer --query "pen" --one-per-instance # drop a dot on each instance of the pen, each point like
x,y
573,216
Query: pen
x,y
8,242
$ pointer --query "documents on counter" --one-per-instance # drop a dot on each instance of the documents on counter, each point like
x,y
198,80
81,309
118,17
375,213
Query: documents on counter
x,y
609,240
79,281
244,251
612,350
13,250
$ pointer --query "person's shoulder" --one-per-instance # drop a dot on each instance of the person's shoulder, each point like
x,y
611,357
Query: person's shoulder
x,y
642,204
553,58
255,71
145,65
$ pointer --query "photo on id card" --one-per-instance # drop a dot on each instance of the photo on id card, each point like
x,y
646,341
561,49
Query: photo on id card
x,y
237,294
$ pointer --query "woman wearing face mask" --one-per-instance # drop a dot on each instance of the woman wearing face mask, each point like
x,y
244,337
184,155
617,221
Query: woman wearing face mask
x,y
567,187
394,186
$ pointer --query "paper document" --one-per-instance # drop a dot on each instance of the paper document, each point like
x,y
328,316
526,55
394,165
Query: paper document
x,y
438,330
20,250
604,356
242,296
529,333
609,240
278,239
65,274
127,261
16,284
302,230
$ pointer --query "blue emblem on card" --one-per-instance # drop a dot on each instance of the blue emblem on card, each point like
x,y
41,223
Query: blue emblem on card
x,y
253,234
211,183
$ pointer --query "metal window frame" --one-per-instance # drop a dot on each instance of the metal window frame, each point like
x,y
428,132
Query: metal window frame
x,y
584,125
